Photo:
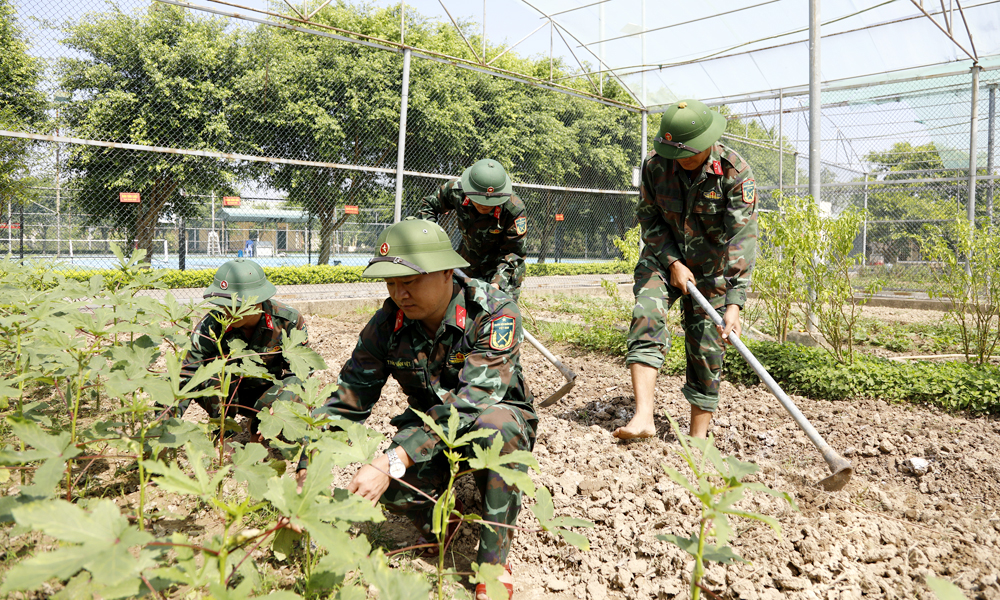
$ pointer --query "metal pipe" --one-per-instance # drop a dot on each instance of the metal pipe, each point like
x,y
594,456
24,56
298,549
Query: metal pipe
x,y
990,127
815,145
781,138
401,146
839,466
970,205
864,230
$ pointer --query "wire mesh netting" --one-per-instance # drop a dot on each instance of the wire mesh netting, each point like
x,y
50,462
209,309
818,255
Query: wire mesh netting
x,y
198,137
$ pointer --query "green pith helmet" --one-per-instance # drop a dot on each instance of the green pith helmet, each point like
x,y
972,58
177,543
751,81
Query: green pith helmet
x,y
413,247
687,128
486,183
242,279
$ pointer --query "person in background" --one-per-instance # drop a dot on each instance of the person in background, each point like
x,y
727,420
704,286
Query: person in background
x,y
492,220
698,216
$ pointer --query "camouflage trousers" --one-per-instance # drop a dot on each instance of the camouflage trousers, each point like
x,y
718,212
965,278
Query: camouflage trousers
x,y
501,502
649,339
247,397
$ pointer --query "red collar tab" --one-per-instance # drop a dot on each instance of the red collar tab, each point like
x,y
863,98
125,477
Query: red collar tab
x,y
460,317
466,201
717,167
399,320
496,213
267,320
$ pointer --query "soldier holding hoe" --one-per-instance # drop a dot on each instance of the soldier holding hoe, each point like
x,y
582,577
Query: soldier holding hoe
x,y
492,220
699,224
238,283
449,342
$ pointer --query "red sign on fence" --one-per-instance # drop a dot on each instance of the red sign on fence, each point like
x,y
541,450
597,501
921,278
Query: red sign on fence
x,y
559,216
350,209
130,197
233,201
10,225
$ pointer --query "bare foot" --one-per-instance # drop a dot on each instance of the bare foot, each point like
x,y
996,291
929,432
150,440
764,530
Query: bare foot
x,y
639,427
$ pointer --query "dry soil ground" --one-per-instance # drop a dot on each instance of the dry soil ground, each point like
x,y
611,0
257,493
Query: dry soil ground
x,y
879,537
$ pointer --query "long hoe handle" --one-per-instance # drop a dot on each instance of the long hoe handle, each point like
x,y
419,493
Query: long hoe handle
x,y
840,467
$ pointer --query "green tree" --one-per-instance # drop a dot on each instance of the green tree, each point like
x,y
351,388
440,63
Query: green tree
x,y
163,77
22,104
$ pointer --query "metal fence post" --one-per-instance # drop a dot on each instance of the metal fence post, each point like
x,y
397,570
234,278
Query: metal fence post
x,y
815,146
642,157
181,243
781,135
989,154
864,230
401,148
973,147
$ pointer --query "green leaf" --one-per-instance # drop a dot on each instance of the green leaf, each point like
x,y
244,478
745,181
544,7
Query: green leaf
x,y
356,443
575,539
722,555
944,589
352,592
492,459
47,478
61,564
543,509
45,446
289,419
302,360
283,543
346,558
247,467
173,479
393,584
489,574
437,429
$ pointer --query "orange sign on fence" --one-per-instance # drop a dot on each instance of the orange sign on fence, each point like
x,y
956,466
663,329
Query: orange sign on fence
x,y
231,201
350,209
10,225
559,216
130,197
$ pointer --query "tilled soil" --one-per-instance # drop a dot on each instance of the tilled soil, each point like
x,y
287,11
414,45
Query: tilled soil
x,y
879,537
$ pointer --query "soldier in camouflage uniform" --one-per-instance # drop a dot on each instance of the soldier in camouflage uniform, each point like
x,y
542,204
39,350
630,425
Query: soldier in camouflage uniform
x,y
492,220
237,282
448,341
699,224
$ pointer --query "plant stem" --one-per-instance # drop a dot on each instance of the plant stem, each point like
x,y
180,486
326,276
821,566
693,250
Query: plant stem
x,y
699,564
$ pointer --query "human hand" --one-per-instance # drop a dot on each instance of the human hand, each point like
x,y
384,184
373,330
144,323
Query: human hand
x,y
732,322
680,274
371,481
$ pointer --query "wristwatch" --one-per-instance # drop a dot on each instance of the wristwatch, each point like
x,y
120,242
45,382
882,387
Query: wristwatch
x,y
396,468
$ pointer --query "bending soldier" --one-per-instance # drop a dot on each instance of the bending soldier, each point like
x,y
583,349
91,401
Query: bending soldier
x,y
699,224
236,283
448,342
492,220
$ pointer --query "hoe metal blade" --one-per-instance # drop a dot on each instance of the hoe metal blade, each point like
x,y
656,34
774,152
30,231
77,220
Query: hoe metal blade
x,y
840,467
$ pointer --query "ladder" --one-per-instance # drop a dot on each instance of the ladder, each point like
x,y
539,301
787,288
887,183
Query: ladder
x,y
214,248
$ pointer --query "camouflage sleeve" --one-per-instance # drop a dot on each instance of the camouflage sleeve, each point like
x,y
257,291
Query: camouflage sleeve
x,y
441,202
511,268
203,350
655,232
487,374
364,375
740,221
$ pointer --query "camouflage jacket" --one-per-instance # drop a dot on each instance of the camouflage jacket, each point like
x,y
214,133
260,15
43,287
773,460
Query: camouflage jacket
x,y
492,243
710,223
265,339
471,363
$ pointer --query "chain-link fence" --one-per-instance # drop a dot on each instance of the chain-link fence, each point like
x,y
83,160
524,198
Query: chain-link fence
x,y
899,151
199,135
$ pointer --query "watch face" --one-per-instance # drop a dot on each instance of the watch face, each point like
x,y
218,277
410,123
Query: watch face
x,y
396,469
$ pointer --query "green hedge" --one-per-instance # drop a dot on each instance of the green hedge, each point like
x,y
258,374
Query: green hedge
x,y
813,373
324,274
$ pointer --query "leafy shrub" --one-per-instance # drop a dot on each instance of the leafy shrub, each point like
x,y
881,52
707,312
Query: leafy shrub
x,y
312,275
812,372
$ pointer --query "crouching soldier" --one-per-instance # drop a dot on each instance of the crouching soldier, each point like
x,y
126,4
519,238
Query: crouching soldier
x,y
236,284
449,342
492,220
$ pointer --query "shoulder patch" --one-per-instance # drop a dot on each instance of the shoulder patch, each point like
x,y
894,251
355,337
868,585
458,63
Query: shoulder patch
x,y
521,225
502,332
749,189
736,161
399,320
460,316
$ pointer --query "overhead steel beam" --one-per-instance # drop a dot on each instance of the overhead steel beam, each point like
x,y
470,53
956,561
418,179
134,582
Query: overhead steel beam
x,y
579,64
460,32
568,10
944,31
968,31
515,44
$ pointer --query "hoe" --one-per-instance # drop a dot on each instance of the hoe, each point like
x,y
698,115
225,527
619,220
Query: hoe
x,y
839,466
